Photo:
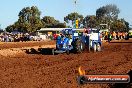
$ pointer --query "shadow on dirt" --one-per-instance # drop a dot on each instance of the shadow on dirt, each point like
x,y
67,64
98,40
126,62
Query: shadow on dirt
x,y
51,51
123,85
45,51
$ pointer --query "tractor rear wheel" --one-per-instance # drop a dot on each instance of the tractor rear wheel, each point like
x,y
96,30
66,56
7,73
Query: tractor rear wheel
x,y
79,46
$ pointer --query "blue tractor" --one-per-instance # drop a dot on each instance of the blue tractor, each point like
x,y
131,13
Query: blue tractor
x,y
72,41
69,40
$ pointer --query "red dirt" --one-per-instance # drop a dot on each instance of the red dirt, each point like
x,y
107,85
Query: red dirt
x,y
21,70
4,45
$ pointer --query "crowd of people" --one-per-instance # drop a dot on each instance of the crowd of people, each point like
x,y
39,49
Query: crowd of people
x,y
9,37
114,35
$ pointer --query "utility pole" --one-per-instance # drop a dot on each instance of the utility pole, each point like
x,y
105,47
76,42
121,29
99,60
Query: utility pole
x,y
75,2
76,19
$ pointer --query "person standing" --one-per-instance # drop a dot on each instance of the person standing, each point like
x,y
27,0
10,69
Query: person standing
x,y
109,37
123,35
114,35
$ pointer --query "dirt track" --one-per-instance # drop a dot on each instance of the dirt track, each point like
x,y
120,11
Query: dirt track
x,y
21,70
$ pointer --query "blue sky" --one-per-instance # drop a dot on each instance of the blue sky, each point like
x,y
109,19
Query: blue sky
x,y
60,8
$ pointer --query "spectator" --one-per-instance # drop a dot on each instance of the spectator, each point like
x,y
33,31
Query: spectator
x,y
109,37
114,35
123,35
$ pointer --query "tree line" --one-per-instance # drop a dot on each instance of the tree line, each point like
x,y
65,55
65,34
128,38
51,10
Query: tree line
x,y
29,20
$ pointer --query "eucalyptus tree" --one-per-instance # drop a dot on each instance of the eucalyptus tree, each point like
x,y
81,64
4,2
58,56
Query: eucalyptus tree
x,y
72,17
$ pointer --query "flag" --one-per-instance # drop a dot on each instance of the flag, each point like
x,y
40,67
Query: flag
x,y
76,24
